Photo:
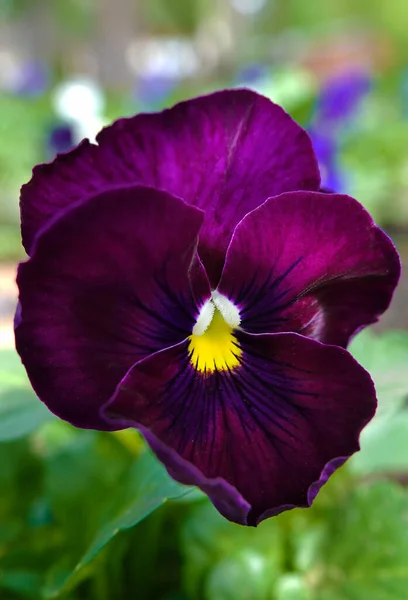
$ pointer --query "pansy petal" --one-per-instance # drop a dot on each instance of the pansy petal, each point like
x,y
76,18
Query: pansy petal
x,y
311,263
225,153
108,284
260,438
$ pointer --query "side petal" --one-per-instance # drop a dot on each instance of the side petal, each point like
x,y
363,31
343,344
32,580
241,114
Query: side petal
x,y
310,263
108,284
259,439
225,153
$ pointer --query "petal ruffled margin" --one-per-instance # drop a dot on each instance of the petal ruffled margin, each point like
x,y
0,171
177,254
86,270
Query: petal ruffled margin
x,y
259,439
108,284
225,153
310,263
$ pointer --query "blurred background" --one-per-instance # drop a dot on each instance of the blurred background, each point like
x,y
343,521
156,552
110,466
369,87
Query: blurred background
x,y
68,529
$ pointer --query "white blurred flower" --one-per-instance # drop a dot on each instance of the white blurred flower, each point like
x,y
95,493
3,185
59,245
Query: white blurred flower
x,y
81,102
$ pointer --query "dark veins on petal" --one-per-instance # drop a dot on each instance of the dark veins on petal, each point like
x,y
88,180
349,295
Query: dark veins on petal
x,y
268,427
310,263
265,304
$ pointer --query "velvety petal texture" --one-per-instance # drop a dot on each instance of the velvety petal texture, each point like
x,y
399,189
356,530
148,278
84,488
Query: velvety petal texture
x,y
272,429
310,263
108,284
225,153
186,277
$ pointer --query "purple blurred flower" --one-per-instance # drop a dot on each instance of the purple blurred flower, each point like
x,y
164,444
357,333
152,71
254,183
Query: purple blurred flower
x,y
341,97
33,79
187,278
337,105
252,74
327,152
152,91
61,138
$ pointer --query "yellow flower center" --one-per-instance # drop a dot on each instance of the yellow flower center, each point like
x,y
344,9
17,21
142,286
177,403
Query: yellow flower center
x,y
213,345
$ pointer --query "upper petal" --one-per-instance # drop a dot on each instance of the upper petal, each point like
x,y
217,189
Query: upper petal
x,y
258,439
311,263
111,281
225,153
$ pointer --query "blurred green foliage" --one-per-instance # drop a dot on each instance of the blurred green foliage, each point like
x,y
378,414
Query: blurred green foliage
x,y
87,515
94,516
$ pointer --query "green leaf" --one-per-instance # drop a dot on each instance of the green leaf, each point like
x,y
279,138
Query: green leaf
x,y
362,551
21,412
385,357
384,442
292,587
12,372
25,583
235,578
223,560
384,446
145,489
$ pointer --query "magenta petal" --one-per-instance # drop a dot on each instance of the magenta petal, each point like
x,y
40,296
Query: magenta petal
x,y
108,283
225,153
71,177
259,439
311,263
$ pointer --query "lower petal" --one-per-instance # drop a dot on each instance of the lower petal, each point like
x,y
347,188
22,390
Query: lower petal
x,y
260,438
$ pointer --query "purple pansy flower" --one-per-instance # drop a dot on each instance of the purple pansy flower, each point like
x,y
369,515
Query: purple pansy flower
x,y
187,278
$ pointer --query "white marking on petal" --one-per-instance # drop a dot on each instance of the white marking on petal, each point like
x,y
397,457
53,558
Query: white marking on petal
x,y
204,318
228,310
